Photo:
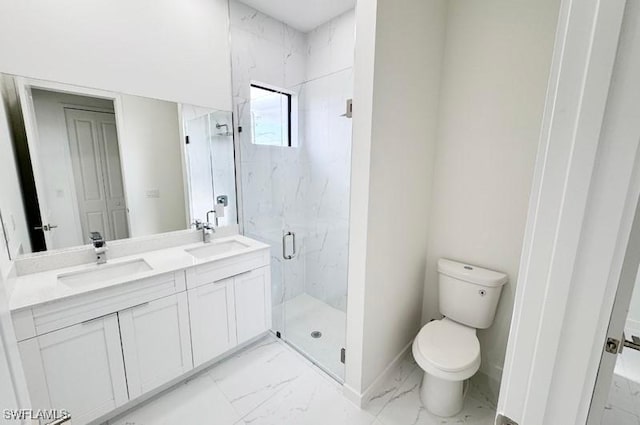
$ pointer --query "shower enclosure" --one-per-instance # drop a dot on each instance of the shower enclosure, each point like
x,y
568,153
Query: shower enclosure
x,y
294,141
210,161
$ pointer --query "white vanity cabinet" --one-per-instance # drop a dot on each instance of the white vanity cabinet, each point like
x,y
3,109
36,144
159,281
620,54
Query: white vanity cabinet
x,y
95,352
78,368
253,300
213,320
99,350
156,342
228,312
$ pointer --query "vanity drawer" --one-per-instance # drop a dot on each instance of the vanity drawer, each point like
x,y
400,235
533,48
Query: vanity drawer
x,y
59,314
228,267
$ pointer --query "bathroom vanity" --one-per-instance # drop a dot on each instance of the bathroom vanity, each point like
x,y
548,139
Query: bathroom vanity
x,y
94,338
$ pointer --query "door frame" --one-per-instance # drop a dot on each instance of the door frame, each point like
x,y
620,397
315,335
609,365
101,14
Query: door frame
x,y
574,242
24,85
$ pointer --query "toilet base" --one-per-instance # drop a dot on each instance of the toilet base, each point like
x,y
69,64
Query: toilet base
x,y
442,397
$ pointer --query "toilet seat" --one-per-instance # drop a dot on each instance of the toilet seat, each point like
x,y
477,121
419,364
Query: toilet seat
x,y
447,350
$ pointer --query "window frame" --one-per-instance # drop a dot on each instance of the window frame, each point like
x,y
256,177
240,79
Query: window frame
x,y
291,98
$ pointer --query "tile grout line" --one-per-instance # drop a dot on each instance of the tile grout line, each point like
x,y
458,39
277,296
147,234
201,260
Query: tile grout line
x,y
272,340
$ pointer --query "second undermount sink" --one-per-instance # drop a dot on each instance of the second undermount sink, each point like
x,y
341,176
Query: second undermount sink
x,y
104,272
217,248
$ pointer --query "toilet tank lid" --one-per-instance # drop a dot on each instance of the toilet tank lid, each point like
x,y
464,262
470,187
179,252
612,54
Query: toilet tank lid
x,y
472,274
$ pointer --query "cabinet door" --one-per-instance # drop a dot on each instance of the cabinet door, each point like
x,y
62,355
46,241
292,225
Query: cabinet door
x,y
156,342
253,303
213,327
78,368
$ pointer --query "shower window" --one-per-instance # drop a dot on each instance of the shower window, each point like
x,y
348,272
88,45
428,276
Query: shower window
x,y
271,116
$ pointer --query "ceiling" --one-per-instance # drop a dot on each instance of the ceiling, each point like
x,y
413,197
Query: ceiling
x,y
303,15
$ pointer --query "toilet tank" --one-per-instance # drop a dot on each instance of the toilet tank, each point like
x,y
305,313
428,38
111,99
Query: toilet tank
x,y
469,294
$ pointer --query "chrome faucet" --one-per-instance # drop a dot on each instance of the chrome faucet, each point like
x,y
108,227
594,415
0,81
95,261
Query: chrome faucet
x,y
207,228
99,246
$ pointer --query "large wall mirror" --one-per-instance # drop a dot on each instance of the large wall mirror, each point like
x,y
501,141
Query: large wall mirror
x,y
121,165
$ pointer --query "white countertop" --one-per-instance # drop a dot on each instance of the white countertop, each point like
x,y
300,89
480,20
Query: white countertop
x,y
44,287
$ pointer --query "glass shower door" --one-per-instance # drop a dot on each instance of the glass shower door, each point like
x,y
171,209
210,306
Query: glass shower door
x,y
295,198
316,223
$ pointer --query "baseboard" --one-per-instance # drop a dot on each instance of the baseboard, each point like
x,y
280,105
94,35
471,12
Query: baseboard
x,y
487,387
352,395
361,399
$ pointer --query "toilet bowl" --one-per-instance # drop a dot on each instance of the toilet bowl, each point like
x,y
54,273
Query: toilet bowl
x,y
448,350
449,354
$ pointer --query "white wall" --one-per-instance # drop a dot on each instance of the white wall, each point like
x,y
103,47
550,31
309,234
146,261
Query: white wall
x,y
173,50
56,165
151,161
397,78
10,195
13,386
495,70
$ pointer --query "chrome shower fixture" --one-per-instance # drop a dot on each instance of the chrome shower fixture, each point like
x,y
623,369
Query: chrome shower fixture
x,y
226,131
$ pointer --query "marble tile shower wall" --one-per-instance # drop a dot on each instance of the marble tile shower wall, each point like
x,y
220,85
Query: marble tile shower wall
x,y
305,188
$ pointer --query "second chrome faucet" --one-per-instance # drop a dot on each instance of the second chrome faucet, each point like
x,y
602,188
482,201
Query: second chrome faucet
x,y
208,228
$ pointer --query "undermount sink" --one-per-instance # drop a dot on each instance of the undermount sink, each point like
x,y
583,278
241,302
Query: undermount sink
x,y
104,272
216,248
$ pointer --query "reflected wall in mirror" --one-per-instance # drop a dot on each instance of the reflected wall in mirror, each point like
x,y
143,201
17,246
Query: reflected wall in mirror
x,y
88,160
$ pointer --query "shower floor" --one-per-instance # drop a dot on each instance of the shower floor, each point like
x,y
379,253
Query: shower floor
x,y
306,314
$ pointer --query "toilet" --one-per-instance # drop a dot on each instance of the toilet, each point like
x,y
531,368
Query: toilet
x,y
448,350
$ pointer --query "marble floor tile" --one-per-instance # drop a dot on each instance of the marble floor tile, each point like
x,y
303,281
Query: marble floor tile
x,y
198,401
311,400
252,376
269,383
483,388
392,384
405,408
620,396
615,416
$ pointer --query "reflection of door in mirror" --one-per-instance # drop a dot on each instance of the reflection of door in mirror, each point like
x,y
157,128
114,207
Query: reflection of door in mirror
x,y
97,172
78,166
92,160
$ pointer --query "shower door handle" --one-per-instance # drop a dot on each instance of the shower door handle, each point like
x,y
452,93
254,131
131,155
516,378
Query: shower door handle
x,y
284,246
294,245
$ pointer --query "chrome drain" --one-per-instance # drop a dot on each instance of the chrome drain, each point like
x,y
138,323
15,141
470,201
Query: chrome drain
x,y
316,334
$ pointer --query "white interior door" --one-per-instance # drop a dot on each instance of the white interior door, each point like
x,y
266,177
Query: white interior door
x,y
31,129
97,172
621,126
